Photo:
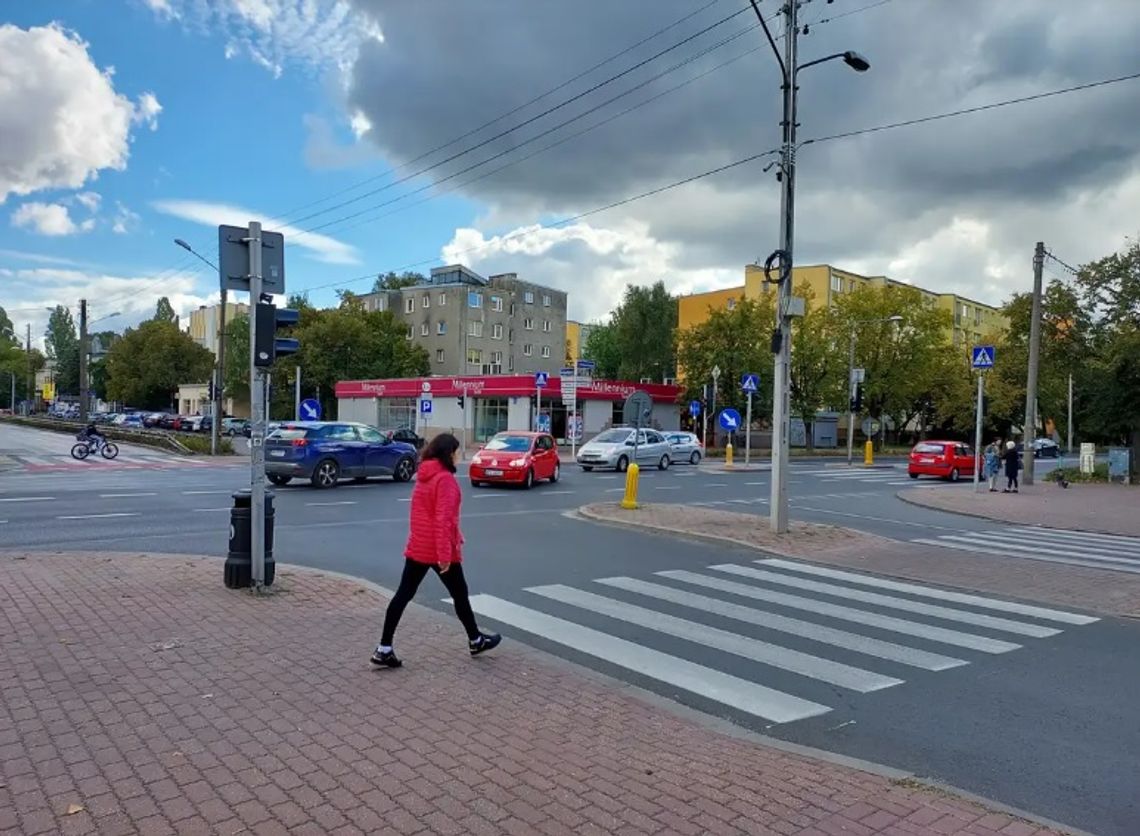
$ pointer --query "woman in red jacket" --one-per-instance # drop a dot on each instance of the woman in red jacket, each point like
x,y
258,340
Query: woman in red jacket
x,y
434,543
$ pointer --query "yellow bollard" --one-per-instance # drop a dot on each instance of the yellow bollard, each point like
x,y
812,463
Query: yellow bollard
x,y
629,501
869,454
728,455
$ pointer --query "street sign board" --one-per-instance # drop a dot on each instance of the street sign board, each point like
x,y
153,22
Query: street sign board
x,y
638,409
586,365
871,426
694,408
730,420
310,410
540,379
750,382
425,406
233,259
858,375
982,357
569,382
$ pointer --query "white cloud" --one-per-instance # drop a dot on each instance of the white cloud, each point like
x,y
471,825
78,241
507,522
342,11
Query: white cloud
x,y
148,110
36,258
124,220
314,34
360,124
49,219
323,247
61,118
89,200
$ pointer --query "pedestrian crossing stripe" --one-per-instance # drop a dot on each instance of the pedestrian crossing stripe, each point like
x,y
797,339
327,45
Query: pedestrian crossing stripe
x,y
752,598
1110,552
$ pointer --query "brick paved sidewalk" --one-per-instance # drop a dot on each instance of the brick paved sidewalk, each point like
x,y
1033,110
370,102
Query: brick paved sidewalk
x,y
1106,509
1073,587
137,695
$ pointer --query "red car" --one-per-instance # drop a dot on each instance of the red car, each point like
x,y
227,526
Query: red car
x,y
516,458
948,459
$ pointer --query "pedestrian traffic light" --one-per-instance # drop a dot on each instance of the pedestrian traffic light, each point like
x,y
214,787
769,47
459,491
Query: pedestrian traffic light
x,y
461,401
857,401
268,347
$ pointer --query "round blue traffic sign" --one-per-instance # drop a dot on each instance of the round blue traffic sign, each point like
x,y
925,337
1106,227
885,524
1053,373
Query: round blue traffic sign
x,y
310,410
730,420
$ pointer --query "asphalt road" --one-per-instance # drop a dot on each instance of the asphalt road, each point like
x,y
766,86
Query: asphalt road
x,y
1033,708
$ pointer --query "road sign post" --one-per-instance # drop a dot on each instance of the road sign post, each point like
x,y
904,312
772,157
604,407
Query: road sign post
x,y
715,377
257,410
540,380
982,359
750,383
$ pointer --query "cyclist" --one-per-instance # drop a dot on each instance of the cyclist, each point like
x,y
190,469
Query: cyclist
x,y
91,434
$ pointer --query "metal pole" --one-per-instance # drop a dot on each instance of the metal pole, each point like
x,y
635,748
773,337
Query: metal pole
x,y
83,360
1070,433
30,394
978,435
297,396
778,505
851,400
12,404
219,377
716,377
538,408
748,432
257,410
1034,359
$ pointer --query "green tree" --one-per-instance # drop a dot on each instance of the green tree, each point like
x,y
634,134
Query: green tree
x,y
146,366
63,350
645,330
236,372
819,364
164,311
393,281
601,347
7,329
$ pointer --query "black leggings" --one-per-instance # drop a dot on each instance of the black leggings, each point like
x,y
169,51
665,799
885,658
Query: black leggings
x,y
1011,482
414,573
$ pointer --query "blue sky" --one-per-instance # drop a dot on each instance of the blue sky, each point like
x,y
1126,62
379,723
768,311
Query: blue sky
x,y
231,133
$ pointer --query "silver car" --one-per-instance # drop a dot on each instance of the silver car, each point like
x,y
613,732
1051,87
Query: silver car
x,y
615,449
686,447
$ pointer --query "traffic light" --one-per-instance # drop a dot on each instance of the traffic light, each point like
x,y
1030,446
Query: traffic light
x,y
857,401
461,401
268,346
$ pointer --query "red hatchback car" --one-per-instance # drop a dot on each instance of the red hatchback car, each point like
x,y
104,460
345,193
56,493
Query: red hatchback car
x,y
516,458
948,459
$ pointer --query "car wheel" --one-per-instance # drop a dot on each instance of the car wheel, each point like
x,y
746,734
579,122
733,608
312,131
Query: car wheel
x,y
913,475
586,468
622,464
528,481
405,469
557,472
695,458
326,474
954,475
663,464
277,479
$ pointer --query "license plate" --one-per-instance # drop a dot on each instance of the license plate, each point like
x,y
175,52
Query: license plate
x,y
494,473
278,453
926,461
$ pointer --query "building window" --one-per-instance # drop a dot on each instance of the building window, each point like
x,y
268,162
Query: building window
x,y
496,303
731,304
475,300
977,316
443,299
545,300
474,357
511,363
496,331
411,332
512,308
528,324
425,329
441,328
396,412
490,417
426,302
850,285
837,284
475,329
439,355
496,358
528,350
528,297
546,351
546,325
410,304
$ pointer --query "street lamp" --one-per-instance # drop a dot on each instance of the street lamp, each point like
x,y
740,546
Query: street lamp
x,y
220,357
782,339
851,380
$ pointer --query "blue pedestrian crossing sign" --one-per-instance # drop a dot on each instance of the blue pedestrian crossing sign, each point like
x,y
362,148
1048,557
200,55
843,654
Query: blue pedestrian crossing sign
x,y
730,420
750,382
694,408
540,379
983,357
310,409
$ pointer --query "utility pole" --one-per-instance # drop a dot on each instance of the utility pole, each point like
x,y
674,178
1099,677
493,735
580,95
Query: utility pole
x,y
715,377
978,458
30,394
1070,433
219,376
297,395
1034,358
83,384
257,411
781,383
851,384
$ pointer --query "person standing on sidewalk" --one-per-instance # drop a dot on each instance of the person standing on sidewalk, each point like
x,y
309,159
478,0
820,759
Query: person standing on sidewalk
x,y
434,544
991,459
1012,466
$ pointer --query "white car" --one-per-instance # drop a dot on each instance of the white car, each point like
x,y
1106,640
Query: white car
x,y
615,449
686,447
192,423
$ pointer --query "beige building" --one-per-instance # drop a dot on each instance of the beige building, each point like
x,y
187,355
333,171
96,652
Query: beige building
x,y
193,399
204,323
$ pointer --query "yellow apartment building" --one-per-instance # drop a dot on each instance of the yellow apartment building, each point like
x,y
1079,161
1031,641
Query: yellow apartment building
x,y
577,335
203,326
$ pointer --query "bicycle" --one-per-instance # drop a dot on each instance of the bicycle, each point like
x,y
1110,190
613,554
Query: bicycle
x,y
87,446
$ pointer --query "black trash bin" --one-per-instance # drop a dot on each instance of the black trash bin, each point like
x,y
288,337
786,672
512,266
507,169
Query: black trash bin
x,y
238,570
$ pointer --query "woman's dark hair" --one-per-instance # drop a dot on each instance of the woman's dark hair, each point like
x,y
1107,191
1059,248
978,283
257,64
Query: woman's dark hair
x,y
442,448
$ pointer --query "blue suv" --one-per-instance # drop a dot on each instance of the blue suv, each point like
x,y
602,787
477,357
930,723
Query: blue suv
x,y
324,452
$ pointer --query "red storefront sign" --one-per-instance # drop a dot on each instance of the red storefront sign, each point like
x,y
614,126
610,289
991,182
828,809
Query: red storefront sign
x,y
498,386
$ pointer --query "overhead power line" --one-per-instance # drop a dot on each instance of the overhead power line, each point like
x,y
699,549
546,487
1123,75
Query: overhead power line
x,y
1066,265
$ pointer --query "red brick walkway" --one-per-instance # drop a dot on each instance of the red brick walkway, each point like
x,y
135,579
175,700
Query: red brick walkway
x,y
137,695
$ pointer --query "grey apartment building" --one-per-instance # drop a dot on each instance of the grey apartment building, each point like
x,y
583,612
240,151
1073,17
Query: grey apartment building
x,y
471,325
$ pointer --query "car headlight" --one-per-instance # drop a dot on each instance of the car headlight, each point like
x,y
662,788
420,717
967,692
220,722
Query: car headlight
x,y
476,460
518,463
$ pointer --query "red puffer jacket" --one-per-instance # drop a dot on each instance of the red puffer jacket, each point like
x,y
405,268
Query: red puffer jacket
x,y
433,534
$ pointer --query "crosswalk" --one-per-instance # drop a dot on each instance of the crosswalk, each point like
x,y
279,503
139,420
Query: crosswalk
x,y
1049,545
64,463
807,634
891,476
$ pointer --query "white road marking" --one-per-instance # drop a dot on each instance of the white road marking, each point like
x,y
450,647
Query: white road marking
x,y
986,542
813,667
210,510
615,490
329,504
666,487
809,630
125,495
716,484
871,619
97,516
29,499
929,592
204,493
732,691
1101,563
557,493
